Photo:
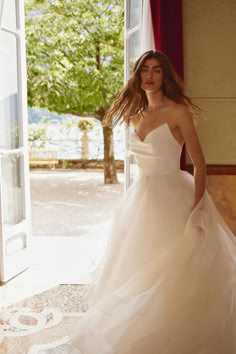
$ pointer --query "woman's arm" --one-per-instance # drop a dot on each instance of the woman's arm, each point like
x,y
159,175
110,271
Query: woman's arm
x,y
186,126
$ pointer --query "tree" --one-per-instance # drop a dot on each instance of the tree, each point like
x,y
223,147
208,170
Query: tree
x,y
75,60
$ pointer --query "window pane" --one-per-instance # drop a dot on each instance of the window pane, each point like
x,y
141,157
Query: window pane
x,y
9,123
12,187
9,14
135,12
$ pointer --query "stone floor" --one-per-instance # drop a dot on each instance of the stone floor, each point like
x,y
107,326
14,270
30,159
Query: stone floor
x,y
68,203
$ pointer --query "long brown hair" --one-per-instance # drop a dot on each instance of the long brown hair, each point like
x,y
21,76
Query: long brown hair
x,y
132,98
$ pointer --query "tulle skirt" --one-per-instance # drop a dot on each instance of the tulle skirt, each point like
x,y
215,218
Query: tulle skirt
x,y
167,281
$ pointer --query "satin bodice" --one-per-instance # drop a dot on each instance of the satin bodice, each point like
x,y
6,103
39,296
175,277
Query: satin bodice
x,y
158,153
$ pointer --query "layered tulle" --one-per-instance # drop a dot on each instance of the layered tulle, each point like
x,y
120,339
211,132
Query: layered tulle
x,y
167,281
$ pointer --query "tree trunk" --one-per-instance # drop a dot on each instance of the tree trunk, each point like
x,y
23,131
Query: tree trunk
x,y
110,175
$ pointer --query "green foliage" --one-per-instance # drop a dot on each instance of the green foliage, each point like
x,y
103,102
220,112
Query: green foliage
x,y
74,54
85,124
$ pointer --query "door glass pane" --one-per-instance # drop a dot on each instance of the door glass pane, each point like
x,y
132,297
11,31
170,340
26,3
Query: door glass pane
x,y
1,2
9,14
134,48
135,12
133,51
133,164
9,122
12,189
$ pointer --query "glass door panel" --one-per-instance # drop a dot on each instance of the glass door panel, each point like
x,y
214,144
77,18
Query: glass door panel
x,y
12,189
134,13
134,48
9,19
9,117
133,17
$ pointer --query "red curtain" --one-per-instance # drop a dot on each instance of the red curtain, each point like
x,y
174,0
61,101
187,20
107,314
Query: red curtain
x,y
168,36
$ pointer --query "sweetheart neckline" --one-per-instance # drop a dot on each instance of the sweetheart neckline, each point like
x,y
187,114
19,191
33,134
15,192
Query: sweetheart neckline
x,y
153,130
142,141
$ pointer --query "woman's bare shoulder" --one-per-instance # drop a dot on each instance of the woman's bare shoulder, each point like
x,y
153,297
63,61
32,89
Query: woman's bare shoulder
x,y
180,113
177,107
173,111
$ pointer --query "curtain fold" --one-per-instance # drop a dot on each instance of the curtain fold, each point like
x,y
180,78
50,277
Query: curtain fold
x,y
167,27
147,37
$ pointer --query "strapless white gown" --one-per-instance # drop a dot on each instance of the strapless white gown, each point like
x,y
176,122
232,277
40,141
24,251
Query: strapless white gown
x,y
167,282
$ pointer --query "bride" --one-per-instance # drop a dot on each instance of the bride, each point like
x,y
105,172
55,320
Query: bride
x,y
167,282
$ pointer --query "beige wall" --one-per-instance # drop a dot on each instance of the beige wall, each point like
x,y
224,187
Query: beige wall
x,y
209,33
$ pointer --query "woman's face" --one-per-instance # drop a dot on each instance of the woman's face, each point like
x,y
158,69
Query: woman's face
x,y
151,75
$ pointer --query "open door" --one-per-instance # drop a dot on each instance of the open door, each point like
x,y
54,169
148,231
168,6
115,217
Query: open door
x,y
138,39
14,174
133,22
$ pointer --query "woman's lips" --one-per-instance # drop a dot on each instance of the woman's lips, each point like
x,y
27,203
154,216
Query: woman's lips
x,y
149,83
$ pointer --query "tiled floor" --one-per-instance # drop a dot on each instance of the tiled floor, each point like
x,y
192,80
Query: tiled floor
x,y
39,324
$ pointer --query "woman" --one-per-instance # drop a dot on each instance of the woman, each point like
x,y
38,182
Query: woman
x,y
168,281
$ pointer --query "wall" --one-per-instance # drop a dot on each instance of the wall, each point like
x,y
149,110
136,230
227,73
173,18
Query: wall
x,y
209,36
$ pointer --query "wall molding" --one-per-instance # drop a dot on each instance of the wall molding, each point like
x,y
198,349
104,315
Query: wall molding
x,y
216,169
213,98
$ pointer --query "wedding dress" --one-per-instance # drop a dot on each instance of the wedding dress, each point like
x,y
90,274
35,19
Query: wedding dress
x,y
167,283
